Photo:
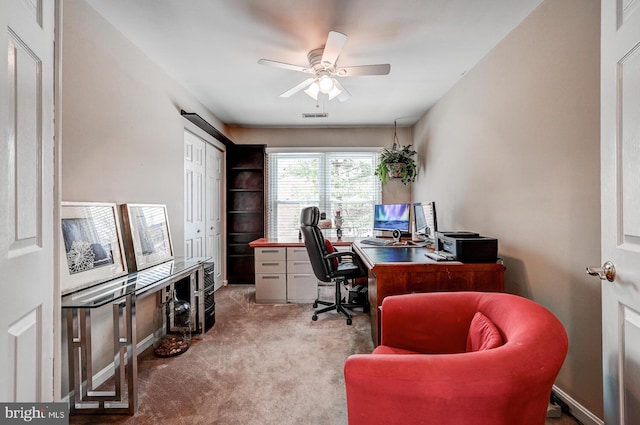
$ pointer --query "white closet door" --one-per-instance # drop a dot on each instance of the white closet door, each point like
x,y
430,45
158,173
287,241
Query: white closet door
x,y
194,200
214,209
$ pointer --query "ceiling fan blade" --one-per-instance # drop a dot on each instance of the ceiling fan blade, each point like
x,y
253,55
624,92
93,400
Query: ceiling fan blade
x,y
297,88
354,71
283,65
344,94
332,48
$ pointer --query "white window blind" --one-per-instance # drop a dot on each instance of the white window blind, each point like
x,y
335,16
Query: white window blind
x,y
332,181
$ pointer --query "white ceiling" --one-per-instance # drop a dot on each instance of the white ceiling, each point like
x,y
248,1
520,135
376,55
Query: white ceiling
x,y
212,47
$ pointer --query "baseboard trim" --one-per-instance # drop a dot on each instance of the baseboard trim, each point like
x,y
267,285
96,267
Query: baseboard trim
x,y
108,371
577,410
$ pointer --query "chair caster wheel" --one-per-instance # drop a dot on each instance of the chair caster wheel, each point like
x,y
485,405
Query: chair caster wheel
x,y
348,321
314,317
315,305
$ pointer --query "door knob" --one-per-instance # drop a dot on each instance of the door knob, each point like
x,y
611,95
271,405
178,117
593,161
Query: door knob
x,y
607,271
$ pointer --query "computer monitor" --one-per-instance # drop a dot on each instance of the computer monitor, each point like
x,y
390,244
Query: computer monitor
x,y
425,219
391,217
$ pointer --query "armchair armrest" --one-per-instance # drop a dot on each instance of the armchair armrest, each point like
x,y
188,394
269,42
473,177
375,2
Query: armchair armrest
x,y
400,389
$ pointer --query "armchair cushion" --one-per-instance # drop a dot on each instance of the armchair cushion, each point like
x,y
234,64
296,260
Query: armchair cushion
x,y
483,334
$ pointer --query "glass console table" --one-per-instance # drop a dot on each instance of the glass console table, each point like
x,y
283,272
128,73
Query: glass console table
x,y
122,294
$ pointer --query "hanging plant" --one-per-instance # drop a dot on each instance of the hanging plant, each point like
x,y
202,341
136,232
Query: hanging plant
x,y
397,162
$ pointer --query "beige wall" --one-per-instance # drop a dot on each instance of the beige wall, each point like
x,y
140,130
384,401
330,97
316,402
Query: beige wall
x,y
393,192
512,151
122,129
122,135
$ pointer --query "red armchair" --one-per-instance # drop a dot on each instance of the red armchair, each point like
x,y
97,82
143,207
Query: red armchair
x,y
434,367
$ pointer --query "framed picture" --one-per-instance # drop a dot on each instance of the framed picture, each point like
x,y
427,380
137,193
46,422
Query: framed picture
x,y
147,235
91,245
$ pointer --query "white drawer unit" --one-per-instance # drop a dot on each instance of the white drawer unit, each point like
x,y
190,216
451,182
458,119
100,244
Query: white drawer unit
x,y
271,288
302,285
284,274
302,288
271,275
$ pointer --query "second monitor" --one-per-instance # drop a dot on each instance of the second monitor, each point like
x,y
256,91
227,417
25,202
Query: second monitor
x,y
425,219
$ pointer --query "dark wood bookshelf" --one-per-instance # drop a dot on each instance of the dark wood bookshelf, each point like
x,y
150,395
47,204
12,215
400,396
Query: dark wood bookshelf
x,y
245,209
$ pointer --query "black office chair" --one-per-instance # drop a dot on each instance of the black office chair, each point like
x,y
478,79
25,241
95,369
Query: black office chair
x,y
327,266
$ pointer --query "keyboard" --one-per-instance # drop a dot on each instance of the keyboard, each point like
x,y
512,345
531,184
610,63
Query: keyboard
x,y
377,241
440,256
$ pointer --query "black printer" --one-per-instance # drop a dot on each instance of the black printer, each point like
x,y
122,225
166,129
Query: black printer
x,y
468,247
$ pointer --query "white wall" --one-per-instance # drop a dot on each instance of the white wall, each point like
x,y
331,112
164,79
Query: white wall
x,y
512,151
122,134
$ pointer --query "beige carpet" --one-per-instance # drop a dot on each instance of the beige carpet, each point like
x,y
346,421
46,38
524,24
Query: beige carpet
x,y
259,365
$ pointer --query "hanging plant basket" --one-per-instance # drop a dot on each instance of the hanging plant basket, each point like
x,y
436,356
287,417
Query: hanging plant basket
x,y
395,170
397,163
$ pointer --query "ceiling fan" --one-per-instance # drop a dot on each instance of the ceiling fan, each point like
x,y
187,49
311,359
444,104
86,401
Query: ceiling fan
x,y
323,65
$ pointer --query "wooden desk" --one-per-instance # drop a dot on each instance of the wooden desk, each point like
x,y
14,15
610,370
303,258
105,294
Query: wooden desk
x,y
404,270
271,242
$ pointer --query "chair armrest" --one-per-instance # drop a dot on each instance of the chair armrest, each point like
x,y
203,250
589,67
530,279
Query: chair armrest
x,y
339,255
355,259
397,389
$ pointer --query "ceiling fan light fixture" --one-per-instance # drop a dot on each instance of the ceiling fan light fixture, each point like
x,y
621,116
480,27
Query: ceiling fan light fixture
x,y
335,91
326,83
313,90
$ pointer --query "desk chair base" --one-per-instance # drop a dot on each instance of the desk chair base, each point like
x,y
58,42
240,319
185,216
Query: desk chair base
x,y
338,305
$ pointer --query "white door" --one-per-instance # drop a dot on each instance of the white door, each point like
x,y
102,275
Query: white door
x,y
26,201
214,209
194,203
620,185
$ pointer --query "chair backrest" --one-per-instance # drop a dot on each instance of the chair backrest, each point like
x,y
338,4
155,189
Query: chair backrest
x,y
315,243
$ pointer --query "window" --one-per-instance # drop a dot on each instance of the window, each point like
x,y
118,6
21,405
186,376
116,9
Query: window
x,y
333,181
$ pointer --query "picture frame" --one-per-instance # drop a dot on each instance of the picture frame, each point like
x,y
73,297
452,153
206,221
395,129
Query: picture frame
x,y
147,235
91,245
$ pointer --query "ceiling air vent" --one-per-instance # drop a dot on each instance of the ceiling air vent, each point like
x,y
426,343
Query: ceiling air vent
x,y
315,115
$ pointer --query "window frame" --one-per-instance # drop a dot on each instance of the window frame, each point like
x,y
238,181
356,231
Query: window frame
x,y
324,154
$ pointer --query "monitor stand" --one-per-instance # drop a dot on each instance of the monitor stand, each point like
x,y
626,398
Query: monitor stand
x,y
418,237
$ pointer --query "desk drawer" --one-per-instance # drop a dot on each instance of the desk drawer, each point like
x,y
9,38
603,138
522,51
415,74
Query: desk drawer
x,y
270,266
270,254
271,288
302,288
298,253
299,267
